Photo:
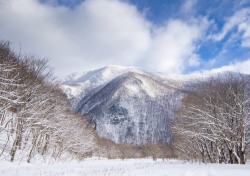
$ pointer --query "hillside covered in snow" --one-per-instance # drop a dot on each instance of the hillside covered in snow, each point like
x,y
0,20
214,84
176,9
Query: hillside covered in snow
x,y
126,104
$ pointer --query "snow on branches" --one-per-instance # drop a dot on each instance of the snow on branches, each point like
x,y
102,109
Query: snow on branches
x,y
35,117
213,123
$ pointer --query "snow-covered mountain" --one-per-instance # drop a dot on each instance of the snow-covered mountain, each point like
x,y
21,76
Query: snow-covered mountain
x,y
78,84
126,104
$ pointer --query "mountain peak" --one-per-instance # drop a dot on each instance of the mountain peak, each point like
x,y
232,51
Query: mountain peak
x,y
115,67
130,109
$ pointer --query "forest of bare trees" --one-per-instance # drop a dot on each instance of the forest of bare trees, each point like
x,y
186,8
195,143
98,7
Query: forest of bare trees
x,y
35,118
213,122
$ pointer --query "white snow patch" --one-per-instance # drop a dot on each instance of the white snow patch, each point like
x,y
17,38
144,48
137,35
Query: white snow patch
x,y
138,167
132,89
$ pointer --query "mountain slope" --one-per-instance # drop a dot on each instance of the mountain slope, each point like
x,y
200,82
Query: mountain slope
x,y
132,108
78,85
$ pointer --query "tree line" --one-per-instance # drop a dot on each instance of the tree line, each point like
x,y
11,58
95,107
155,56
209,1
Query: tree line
x,y
35,117
212,123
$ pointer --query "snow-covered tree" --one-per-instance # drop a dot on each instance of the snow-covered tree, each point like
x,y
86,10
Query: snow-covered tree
x,y
35,117
213,123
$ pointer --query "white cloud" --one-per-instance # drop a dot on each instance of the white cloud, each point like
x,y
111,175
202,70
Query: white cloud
x,y
97,33
173,47
245,29
238,66
240,21
188,6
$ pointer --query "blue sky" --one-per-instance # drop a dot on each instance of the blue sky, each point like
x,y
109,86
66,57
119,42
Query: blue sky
x,y
172,36
217,11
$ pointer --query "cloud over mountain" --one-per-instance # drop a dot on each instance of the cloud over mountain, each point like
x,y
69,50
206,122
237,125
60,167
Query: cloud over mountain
x,y
96,33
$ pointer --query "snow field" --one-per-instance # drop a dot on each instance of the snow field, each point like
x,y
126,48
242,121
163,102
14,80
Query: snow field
x,y
132,167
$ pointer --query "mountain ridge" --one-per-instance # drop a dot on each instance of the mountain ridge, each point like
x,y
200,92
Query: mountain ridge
x,y
128,104
76,85
124,109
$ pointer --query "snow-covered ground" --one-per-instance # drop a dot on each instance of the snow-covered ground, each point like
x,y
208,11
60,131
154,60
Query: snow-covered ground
x,y
133,167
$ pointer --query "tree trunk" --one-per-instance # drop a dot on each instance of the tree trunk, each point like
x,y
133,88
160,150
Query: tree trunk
x,y
13,151
242,156
231,160
44,150
32,148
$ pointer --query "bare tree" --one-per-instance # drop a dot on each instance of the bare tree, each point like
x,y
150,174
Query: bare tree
x,y
213,122
35,117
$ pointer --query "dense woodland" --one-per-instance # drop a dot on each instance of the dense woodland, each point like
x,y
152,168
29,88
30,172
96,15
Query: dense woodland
x,y
35,117
212,123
